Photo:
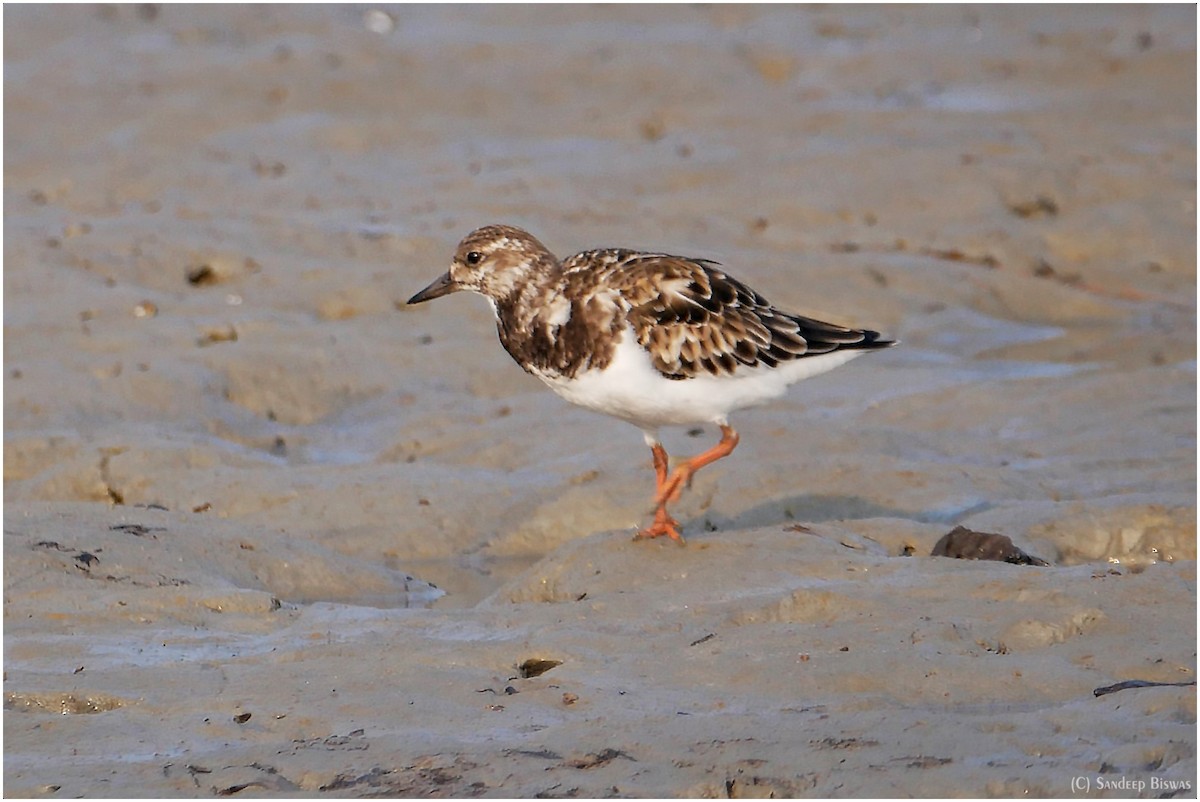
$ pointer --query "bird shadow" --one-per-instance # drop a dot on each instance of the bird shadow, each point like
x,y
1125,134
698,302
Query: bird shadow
x,y
817,508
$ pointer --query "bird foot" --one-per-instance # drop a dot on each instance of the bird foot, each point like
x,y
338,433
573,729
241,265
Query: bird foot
x,y
663,525
669,486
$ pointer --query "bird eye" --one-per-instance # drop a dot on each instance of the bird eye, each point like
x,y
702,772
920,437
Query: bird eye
x,y
474,258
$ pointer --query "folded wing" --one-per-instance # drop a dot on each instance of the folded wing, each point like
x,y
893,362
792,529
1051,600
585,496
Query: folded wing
x,y
693,318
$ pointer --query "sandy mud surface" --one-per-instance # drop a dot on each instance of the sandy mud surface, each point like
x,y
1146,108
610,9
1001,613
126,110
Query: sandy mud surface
x,y
267,532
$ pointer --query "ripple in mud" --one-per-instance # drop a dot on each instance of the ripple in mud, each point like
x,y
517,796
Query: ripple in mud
x,y
294,389
805,605
157,565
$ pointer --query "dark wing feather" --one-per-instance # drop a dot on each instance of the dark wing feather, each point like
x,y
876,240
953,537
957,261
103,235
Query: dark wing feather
x,y
693,318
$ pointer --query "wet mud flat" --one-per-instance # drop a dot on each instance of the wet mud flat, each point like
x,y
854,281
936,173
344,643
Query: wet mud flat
x,y
800,660
269,533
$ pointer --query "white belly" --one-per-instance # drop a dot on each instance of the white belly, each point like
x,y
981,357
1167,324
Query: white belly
x,y
631,389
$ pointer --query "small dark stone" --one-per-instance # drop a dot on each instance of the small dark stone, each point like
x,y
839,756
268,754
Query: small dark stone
x,y
201,275
964,544
535,668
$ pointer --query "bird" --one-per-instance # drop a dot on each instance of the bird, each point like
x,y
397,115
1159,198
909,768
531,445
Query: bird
x,y
649,338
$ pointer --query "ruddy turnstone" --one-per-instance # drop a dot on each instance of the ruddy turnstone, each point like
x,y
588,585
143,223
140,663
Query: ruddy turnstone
x,y
650,338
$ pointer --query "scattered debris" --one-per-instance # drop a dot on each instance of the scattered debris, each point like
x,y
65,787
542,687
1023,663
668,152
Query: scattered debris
x,y
49,544
217,334
843,743
137,530
955,255
601,758
1139,683
1044,269
1041,206
925,761
705,639
545,754
351,742
237,788
342,781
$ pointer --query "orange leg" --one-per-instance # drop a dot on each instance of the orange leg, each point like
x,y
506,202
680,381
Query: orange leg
x,y
668,488
660,465
682,476
663,524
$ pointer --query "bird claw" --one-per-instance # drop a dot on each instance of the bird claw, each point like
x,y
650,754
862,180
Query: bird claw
x,y
663,524
653,532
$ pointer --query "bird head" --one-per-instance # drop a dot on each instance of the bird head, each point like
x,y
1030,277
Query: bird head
x,y
494,261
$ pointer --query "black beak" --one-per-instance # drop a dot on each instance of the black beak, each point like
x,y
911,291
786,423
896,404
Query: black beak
x,y
442,285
